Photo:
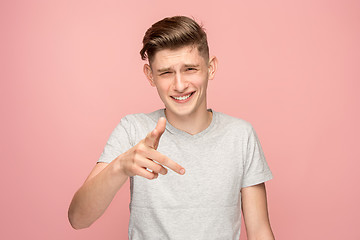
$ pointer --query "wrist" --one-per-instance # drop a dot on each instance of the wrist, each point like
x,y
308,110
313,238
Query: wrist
x,y
118,166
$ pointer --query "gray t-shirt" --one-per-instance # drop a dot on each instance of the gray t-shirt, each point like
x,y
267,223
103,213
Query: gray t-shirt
x,y
205,202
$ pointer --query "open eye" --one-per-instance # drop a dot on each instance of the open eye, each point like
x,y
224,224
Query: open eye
x,y
191,69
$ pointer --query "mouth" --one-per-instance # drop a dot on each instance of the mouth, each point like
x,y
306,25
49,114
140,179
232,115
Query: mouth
x,y
183,98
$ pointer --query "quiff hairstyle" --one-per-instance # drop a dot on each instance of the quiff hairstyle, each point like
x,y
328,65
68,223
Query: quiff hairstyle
x,y
173,33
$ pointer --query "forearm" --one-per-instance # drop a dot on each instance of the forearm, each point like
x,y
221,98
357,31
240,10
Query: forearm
x,y
95,195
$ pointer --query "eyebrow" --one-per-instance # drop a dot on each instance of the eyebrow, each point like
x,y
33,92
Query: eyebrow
x,y
192,65
163,70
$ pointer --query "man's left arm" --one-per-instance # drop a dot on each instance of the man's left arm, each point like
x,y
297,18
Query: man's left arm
x,y
255,213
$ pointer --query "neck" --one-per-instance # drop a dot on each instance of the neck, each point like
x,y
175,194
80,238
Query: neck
x,y
193,123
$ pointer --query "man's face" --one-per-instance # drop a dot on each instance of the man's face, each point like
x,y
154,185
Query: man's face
x,y
181,77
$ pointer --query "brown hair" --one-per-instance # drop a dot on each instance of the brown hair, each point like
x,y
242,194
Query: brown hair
x,y
172,33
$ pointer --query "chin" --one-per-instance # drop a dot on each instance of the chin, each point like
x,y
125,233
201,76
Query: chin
x,y
180,112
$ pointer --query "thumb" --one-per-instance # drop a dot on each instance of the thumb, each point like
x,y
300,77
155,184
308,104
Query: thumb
x,y
153,138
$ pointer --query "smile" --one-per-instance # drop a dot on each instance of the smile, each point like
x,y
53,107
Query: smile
x,y
183,97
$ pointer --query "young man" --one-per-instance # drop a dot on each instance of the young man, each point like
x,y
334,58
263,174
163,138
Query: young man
x,y
225,166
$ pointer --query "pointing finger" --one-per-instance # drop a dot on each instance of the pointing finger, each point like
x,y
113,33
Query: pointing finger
x,y
153,138
161,124
165,161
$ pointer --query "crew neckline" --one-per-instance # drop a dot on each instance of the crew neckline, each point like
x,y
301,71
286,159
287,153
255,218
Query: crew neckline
x,y
179,132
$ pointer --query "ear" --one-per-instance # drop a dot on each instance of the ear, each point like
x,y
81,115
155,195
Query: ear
x,y
213,62
148,74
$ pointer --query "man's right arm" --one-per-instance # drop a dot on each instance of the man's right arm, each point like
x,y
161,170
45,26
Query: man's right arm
x,y
95,195
104,181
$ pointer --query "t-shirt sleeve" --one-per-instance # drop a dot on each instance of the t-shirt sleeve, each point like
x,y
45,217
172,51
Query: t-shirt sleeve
x,y
256,169
118,142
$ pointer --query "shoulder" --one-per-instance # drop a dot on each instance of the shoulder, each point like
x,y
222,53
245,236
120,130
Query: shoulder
x,y
233,124
142,118
138,122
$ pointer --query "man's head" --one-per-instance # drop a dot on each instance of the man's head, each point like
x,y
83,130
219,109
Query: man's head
x,y
172,33
179,65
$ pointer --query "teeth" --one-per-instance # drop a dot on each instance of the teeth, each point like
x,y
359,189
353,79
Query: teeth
x,y
183,97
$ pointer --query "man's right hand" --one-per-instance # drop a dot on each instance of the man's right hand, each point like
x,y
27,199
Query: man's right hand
x,y
107,178
142,156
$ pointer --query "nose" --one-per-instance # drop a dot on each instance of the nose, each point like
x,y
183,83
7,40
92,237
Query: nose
x,y
180,84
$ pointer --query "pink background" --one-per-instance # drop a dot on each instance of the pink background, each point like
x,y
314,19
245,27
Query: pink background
x,y
70,70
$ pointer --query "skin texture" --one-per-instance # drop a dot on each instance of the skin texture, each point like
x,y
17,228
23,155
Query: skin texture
x,y
174,73
177,73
